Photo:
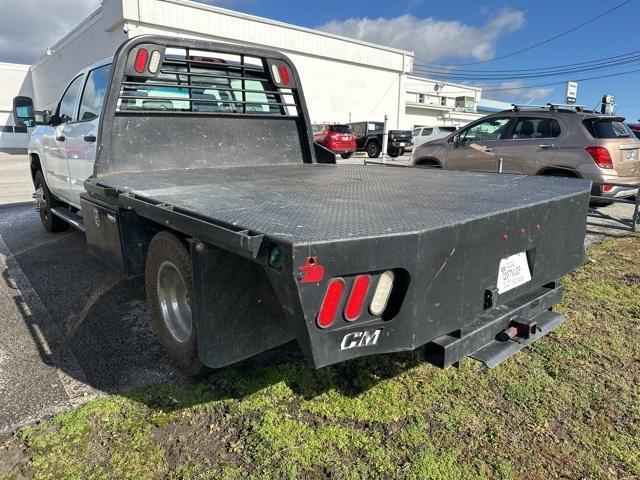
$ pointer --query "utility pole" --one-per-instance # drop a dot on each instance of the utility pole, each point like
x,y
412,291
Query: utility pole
x,y
385,139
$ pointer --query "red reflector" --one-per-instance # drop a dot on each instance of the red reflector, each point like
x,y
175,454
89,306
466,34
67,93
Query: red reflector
x,y
331,303
601,156
312,271
141,60
356,299
607,187
284,74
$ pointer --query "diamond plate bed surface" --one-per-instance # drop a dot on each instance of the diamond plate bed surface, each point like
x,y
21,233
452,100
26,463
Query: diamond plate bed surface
x,y
315,202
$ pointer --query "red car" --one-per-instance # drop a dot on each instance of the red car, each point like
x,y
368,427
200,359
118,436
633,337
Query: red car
x,y
635,127
337,138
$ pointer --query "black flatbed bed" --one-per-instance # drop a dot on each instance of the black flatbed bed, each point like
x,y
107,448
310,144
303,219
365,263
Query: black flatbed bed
x,y
308,203
276,242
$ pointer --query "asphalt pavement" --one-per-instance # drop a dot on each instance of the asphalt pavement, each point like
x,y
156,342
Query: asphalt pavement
x,y
73,328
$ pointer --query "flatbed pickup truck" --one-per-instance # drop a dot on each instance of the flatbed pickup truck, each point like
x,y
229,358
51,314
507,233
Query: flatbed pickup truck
x,y
193,163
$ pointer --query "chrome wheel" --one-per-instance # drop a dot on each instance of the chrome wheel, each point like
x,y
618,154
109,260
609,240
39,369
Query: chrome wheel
x,y
175,304
41,203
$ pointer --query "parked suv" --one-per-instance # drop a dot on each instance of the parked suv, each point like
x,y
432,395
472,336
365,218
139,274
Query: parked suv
x,y
426,134
369,139
549,141
337,138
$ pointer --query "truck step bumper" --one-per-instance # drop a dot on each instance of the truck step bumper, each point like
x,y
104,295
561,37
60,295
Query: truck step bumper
x,y
497,351
492,343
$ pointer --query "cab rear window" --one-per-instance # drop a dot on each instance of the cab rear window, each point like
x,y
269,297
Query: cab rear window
x,y
607,128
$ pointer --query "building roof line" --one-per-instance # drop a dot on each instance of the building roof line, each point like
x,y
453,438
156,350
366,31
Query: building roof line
x,y
14,66
224,11
92,17
285,50
267,21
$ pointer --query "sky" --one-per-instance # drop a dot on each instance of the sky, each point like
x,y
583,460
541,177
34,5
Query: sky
x,y
443,36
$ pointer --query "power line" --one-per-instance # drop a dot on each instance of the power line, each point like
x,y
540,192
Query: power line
x,y
548,40
454,69
551,84
526,76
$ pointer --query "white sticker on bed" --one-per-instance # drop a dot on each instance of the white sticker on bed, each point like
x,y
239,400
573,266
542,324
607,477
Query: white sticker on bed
x,y
513,272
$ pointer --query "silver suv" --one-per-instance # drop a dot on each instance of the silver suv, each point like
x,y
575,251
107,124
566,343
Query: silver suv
x,y
426,134
550,141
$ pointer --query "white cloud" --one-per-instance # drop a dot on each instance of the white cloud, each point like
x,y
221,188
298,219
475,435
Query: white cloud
x,y
431,39
516,90
28,27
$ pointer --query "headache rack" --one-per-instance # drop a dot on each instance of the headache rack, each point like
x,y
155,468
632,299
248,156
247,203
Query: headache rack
x,y
191,80
178,103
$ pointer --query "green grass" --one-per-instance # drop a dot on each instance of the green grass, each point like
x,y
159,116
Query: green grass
x,y
568,407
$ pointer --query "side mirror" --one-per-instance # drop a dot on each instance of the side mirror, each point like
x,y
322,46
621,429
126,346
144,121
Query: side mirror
x,y
23,114
456,140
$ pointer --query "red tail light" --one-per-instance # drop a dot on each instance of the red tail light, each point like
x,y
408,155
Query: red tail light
x,y
356,299
140,64
601,156
284,74
331,302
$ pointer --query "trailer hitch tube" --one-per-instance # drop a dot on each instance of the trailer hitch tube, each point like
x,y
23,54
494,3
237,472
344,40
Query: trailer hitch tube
x,y
519,328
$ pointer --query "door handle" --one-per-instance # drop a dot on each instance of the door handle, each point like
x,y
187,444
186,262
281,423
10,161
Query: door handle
x,y
546,145
89,138
489,149
61,138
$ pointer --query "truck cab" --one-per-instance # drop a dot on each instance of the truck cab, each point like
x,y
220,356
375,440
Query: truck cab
x,y
64,147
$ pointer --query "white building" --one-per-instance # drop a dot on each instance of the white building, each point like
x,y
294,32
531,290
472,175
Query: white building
x,y
430,103
343,79
14,81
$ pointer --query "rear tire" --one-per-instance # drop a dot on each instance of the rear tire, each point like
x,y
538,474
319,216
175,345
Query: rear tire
x,y
394,152
45,202
169,286
346,155
556,173
427,164
373,150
